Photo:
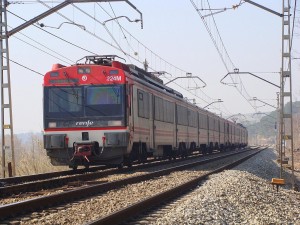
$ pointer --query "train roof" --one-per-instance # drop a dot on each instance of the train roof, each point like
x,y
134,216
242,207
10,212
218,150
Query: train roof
x,y
110,61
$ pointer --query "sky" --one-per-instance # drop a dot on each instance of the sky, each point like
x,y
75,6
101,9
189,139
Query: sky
x,y
173,39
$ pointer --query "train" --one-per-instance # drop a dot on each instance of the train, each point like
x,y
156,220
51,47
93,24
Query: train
x,y
105,112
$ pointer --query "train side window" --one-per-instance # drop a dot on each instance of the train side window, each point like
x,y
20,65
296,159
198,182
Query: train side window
x,y
159,111
140,96
204,121
146,105
168,111
182,115
192,118
143,104
210,123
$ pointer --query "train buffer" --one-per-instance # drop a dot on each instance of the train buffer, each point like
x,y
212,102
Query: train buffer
x,y
278,182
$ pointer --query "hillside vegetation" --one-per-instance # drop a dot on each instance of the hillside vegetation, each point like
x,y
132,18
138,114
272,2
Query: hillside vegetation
x,y
265,130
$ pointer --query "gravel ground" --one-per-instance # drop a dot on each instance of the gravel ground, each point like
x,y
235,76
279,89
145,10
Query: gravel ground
x,y
98,206
243,195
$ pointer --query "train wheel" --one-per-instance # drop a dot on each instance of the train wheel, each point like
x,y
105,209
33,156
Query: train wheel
x,y
120,166
86,166
74,167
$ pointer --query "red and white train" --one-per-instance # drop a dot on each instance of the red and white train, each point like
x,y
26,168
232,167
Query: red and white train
x,y
110,113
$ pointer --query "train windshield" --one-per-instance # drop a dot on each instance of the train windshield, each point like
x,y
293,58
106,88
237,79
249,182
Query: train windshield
x,y
72,106
104,101
64,101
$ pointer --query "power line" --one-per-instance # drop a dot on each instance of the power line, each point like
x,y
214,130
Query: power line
x,y
220,51
119,26
146,48
122,29
62,39
47,48
128,54
30,2
39,49
295,6
19,64
116,46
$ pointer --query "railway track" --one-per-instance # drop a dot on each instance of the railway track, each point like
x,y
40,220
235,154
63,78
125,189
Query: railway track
x,y
11,210
133,213
31,178
34,183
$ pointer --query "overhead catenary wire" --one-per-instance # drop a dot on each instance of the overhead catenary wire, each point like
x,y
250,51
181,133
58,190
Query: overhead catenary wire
x,y
70,60
56,36
214,40
123,29
25,67
295,6
230,60
127,54
160,59
164,60
40,49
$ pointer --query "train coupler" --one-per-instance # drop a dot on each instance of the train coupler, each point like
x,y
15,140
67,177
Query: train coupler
x,y
82,151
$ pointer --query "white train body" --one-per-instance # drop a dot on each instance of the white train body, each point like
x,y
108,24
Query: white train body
x,y
112,113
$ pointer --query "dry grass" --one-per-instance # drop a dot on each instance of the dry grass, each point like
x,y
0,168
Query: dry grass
x,y
297,160
30,157
35,163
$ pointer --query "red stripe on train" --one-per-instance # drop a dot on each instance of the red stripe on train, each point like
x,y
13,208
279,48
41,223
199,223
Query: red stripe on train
x,y
85,128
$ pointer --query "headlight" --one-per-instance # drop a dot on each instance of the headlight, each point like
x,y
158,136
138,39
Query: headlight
x,y
52,124
114,123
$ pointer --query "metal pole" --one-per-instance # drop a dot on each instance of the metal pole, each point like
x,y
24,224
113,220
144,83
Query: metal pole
x,y
281,123
6,102
286,82
2,98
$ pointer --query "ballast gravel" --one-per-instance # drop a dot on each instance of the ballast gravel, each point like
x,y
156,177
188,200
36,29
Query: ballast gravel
x,y
95,207
242,195
110,178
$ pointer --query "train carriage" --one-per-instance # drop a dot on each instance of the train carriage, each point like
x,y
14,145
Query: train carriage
x,y
110,113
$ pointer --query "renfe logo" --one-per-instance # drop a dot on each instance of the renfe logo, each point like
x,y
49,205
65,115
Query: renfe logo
x,y
84,123
113,78
84,78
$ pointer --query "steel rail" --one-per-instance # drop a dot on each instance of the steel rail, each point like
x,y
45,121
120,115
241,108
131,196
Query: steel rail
x,y
44,176
35,204
52,180
135,209
41,176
